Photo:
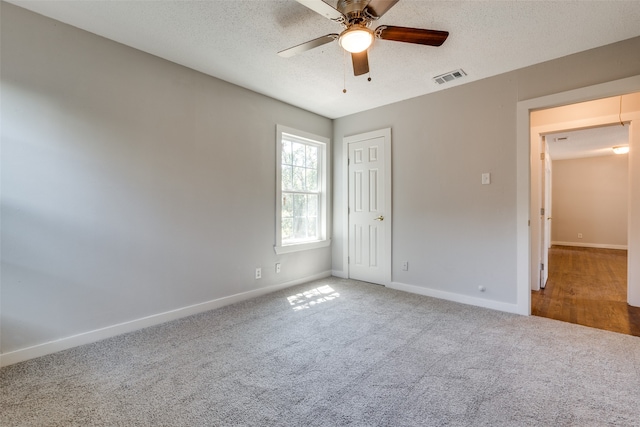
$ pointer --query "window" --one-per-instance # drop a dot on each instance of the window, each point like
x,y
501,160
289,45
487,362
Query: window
x,y
301,205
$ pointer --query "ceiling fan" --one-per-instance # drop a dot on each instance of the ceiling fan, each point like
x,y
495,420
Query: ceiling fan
x,y
356,16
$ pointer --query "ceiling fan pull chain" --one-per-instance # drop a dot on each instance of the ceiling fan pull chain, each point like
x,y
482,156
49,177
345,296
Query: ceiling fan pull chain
x,y
344,71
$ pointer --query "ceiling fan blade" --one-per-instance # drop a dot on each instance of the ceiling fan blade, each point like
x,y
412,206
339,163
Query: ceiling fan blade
x,y
311,44
412,35
323,9
360,63
377,8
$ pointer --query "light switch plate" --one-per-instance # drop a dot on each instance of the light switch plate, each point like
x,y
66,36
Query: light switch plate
x,y
486,178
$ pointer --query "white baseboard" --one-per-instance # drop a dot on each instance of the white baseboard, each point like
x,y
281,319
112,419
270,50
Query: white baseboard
x,y
591,245
43,349
464,299
339,273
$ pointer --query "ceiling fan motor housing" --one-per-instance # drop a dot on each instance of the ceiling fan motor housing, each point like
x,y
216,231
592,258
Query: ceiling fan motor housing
x,y
354,11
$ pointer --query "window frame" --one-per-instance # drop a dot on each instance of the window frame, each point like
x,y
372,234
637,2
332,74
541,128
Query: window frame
x,y
287,133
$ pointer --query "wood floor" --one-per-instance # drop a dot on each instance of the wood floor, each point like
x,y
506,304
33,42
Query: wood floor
x,y
587,286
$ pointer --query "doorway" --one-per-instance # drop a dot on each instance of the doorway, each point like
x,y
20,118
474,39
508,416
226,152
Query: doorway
x,y
586,205
527,227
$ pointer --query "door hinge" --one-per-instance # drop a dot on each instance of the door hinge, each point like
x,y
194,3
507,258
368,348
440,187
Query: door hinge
x,y
541,267
348,260
541,156
348,162
541,211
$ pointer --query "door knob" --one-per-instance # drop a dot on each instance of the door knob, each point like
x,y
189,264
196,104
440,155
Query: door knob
x,y
380,218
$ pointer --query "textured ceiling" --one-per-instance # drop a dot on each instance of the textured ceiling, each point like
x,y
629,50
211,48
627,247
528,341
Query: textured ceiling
x,y
237,41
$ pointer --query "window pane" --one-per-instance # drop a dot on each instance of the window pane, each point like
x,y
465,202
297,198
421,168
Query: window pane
x,y
287,229
298,154
298,179
312,180
312,228
287,177
312,157
312,205
287,205
299,228
299,205
286,152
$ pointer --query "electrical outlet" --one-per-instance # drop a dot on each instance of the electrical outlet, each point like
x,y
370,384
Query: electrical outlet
x,y
277,267
579,235
405,265
258,273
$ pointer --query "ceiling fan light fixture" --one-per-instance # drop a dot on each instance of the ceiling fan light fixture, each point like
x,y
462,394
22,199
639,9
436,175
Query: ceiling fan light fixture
x,y
356,39
621,149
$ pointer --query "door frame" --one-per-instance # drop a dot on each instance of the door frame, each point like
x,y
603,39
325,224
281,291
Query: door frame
x,y
387,256
527,201
548,213
540,195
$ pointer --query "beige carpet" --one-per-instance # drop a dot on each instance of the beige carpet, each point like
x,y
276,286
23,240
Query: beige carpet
x,y
332,353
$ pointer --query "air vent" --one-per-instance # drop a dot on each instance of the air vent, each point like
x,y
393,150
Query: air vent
x,y
451,75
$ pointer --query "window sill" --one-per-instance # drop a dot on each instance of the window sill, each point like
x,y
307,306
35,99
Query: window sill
x,y
301,247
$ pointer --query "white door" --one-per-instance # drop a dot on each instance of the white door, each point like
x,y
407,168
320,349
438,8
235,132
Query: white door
x,y
369,216
545,220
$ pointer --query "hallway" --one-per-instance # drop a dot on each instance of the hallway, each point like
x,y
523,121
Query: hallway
x,y
587,286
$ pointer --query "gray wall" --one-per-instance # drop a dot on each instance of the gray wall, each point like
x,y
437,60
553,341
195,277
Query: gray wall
x,y
456,233
131,186
590,197
451,229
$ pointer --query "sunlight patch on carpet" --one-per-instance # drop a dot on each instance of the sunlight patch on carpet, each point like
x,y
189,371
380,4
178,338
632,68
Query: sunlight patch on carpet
x,y
308,299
